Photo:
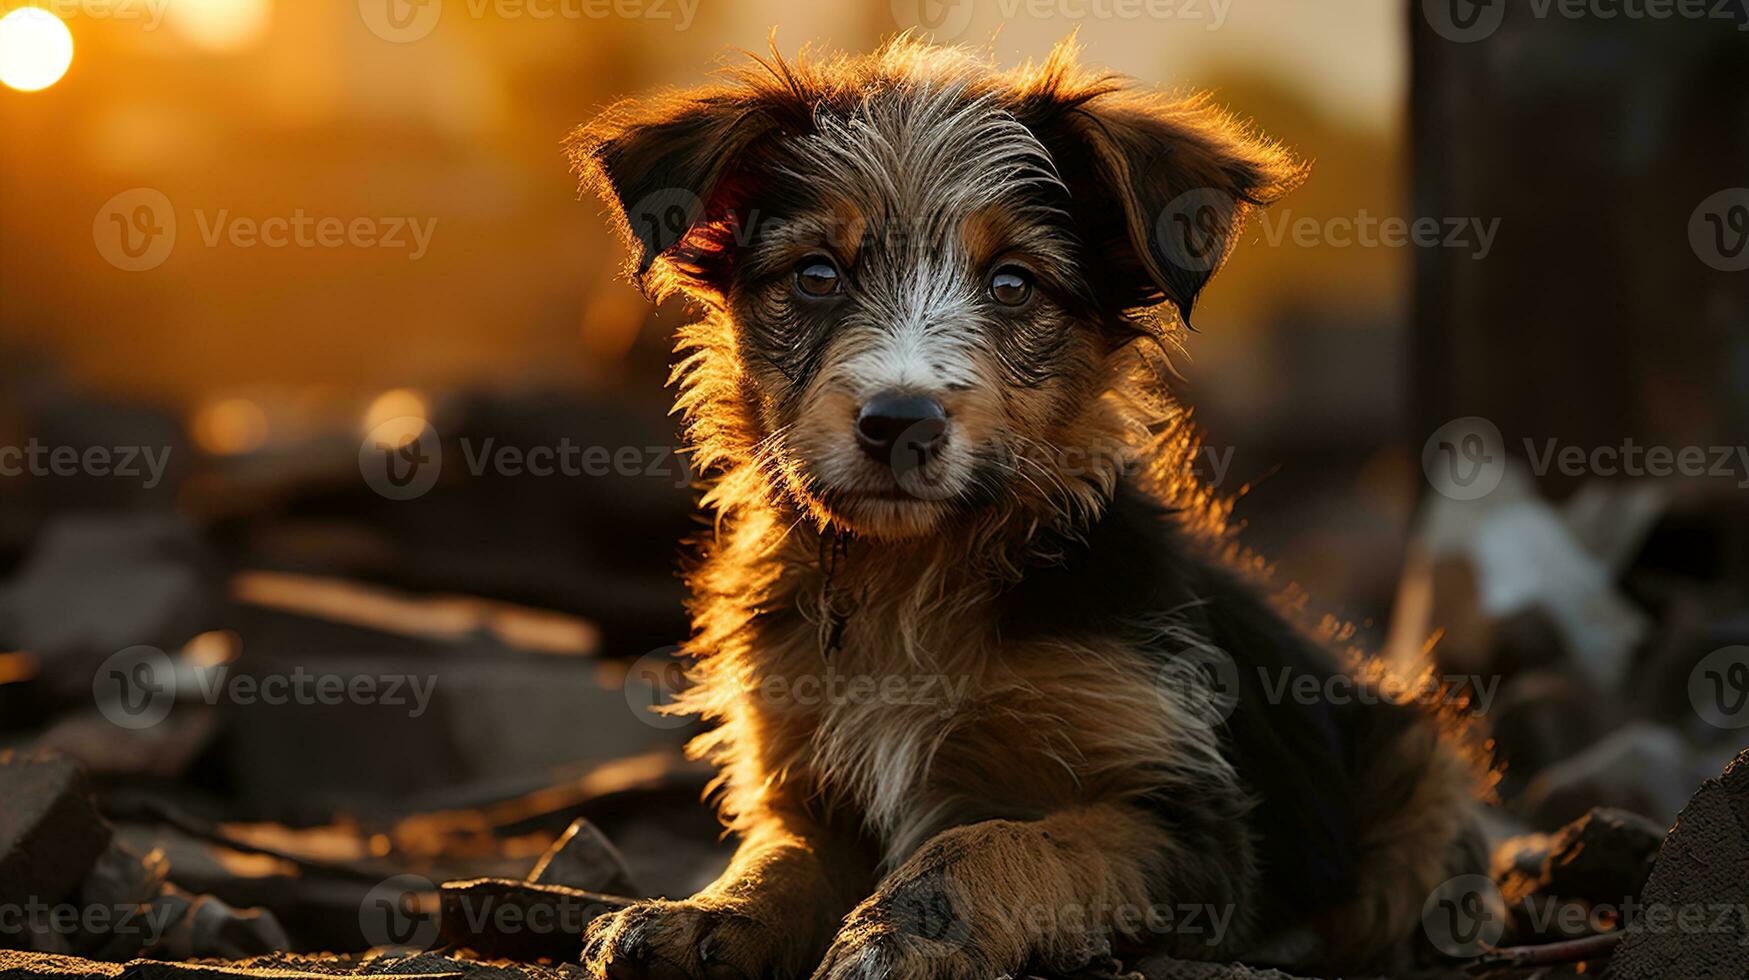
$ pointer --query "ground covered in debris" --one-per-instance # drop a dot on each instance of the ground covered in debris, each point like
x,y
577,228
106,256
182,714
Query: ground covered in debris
x,y
308,722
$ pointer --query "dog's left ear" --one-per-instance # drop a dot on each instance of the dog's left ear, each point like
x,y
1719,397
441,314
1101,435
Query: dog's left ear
x,y
1161,187
673,170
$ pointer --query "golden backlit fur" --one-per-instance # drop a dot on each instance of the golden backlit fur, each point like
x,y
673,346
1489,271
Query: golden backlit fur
x,y
947,754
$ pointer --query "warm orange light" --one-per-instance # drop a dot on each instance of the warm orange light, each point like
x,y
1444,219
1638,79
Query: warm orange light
x,y
16,667
35,49
230,427
403,407
221,25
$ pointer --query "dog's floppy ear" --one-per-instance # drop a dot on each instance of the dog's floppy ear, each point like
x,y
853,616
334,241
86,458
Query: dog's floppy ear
x,y
1161,186
673,169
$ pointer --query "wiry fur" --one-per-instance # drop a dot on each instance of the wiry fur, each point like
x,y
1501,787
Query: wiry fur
x,y
1054,559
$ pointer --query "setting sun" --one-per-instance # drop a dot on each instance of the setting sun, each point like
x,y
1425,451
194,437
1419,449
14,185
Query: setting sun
x,y
221,25
35,49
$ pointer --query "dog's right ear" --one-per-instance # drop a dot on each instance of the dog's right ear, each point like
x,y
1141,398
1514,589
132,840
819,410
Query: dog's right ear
x,y
675,171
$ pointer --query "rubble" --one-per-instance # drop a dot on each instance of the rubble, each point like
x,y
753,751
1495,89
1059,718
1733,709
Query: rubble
x,y
1648,769
1692,923
94,585
50,831
1553,884
526,796
521,921
81,891
583,858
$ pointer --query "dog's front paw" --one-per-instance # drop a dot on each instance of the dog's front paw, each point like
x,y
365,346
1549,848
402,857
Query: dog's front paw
x,y
680,941
914,931
886,953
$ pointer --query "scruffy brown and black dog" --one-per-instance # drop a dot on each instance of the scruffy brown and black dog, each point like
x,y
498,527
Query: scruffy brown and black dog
x,y
927,387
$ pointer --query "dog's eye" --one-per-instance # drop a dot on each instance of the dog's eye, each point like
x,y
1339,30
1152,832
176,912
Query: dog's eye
x,y
1011,286
817,277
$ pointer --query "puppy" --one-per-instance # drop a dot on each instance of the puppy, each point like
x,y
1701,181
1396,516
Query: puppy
x,y
990,687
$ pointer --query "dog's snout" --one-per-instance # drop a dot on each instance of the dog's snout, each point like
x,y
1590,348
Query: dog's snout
x,y
897,423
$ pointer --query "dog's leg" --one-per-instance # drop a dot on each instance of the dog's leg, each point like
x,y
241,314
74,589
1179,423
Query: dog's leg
x,y
992,898
770,914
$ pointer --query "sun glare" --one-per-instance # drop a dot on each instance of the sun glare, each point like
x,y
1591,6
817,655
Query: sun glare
x,y
35,49
221,25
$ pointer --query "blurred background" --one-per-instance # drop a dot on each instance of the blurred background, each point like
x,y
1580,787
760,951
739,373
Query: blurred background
x,y
243,241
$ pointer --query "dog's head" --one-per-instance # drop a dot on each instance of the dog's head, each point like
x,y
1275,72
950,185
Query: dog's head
x,y
925,280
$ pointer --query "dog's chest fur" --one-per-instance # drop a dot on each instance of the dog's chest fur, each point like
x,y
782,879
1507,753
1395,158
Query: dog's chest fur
x,y
877,686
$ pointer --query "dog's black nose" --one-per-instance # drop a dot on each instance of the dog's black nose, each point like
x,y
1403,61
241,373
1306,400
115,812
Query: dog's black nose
x,y
899,428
